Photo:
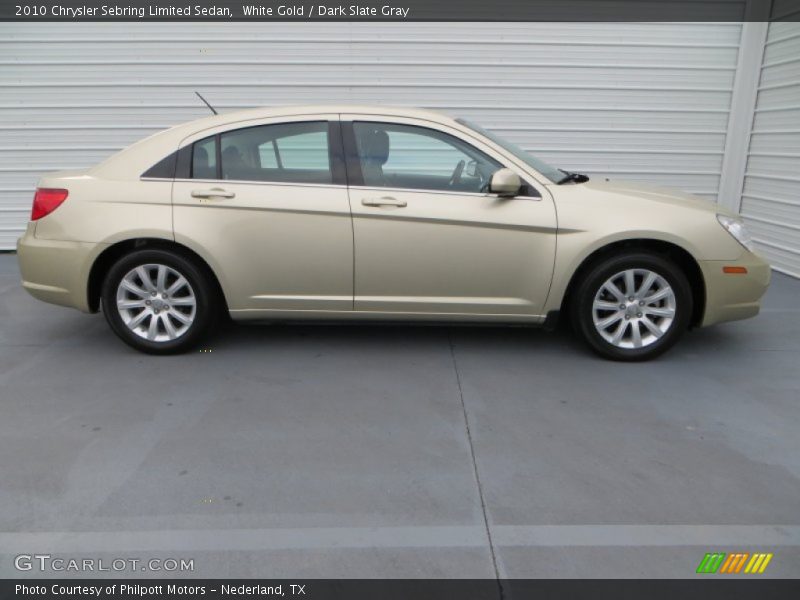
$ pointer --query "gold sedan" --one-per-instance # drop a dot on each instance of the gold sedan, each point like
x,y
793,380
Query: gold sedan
x,y
370,213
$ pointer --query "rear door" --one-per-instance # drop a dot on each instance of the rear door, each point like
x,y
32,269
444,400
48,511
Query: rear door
x,y
429,240
266,204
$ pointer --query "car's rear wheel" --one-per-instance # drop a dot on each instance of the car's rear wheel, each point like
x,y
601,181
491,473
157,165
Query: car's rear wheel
x,y
633,306
158,302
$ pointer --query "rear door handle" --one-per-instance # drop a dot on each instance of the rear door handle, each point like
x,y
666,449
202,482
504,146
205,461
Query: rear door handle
x,y
383,201
212,193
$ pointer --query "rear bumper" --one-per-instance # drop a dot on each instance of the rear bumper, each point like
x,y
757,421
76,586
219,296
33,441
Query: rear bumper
x,y
55,271
730,297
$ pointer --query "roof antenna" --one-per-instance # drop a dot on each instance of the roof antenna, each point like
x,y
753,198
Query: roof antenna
x,y
211,108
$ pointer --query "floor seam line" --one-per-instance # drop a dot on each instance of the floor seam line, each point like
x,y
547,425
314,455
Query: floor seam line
x,y
475,465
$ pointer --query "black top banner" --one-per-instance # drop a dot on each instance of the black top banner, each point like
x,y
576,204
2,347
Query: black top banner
x,y
399,10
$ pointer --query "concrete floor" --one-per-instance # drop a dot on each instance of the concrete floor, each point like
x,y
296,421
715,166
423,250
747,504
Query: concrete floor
x,y
398,452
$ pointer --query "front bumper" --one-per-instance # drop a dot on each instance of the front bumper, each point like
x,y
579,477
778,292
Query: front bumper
x,y
730,297
56,271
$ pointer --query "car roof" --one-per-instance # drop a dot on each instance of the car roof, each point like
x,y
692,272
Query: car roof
x,y
310,109
270,111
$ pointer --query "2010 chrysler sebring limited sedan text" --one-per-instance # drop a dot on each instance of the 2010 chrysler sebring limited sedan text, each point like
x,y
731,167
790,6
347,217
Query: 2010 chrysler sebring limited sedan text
x,y
374,213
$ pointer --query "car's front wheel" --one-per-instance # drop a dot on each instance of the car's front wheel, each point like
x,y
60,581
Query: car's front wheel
x,y
158,302
632,306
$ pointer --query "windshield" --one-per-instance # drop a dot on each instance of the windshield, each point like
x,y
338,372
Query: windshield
x,y
551,173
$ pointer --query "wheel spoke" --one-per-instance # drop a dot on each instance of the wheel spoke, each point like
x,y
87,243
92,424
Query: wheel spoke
x,y
137,320
605,305
630,284
133,288
144,276
646,284
619,332
168,326
161,279
179,316
652,327
612,288
152,330
129,304
605,323
183,301
665,312
659,295
636,334
176,285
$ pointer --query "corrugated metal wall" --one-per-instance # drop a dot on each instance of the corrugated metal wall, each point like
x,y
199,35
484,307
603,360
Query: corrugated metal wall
x,y
647,102
770,199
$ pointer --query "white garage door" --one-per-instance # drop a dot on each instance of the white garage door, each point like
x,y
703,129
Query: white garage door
x,y
638,101
770,199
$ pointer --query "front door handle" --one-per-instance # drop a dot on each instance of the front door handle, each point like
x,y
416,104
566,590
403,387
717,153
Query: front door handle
x,y
212,193
383,201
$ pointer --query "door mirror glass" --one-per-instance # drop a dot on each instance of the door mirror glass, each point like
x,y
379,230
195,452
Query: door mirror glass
x,y
505,183
472,168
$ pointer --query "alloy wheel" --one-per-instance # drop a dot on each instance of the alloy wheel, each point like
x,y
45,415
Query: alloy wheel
x,y
634,308
156,302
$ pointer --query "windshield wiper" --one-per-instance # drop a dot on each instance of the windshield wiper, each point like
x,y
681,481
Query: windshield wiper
x,y
574,177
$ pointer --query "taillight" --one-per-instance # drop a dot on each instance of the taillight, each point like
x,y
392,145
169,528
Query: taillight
x,y
46,200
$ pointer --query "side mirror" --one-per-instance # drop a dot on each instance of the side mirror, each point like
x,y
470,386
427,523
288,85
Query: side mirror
x,y
505,183
472,168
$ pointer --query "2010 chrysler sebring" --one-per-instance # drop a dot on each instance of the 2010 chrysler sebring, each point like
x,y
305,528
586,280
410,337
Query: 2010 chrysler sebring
x,y
372,213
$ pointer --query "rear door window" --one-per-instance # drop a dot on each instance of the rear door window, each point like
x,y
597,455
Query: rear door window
x,y
283,153
204,158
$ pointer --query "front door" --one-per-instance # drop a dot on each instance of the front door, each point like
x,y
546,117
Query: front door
x,y
429,240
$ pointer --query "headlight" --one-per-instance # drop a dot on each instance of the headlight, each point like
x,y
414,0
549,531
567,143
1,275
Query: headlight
x,y
737,229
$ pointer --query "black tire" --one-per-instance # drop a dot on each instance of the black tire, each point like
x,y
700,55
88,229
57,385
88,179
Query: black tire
x,y
598,274
206,309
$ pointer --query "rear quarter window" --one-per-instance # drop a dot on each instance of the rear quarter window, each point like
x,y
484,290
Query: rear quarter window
x,y
163,169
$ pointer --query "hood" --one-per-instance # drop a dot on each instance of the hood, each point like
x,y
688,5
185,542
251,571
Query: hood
x,y
642,191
